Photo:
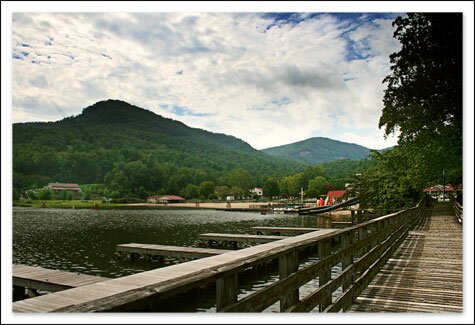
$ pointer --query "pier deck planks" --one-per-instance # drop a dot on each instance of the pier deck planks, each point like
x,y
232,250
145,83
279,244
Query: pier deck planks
x,y
35,277
425,274
290,230
170,251
243,238
161,281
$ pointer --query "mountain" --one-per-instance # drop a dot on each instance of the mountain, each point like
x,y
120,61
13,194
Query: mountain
x,y
318,150
114,142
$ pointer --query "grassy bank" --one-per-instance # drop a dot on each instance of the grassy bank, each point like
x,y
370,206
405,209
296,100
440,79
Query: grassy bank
x,y
77,204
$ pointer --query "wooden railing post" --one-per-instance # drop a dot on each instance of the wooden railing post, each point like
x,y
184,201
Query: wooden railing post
x,y
324,250
226,290
347,259
288,263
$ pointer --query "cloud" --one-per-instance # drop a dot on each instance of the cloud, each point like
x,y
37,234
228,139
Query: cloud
x,y
268,79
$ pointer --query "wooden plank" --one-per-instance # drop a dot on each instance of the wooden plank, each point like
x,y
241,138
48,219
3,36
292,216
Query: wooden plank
x,y
290,230
243,238
172,279
169,251
425,274
35,277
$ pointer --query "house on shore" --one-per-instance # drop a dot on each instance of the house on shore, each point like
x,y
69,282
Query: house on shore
x,y
256,191
59,187
165,199
337,196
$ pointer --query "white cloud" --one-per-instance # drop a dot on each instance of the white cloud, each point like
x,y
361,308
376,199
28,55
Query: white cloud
x,y
232,70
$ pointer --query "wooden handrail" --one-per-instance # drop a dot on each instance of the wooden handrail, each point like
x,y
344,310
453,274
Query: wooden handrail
x,y
361,250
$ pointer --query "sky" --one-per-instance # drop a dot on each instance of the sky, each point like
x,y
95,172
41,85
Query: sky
x,y
269,78
247,70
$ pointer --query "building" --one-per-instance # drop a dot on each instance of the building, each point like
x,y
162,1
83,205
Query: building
x,y
337,196
59,187
165,199
438,190
256,191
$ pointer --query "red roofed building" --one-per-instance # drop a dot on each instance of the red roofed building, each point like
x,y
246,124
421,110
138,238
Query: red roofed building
x,y
336,196
165,199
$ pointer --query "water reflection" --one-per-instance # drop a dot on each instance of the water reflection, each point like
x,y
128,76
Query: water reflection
x,y
84,241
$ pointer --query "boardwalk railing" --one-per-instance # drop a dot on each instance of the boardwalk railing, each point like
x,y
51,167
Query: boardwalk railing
x,y
458,209
361,250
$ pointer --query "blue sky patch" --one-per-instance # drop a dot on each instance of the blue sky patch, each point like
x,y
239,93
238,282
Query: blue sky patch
x,y
181,110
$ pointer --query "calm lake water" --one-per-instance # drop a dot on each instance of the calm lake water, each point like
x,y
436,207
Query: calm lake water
x,y
84,241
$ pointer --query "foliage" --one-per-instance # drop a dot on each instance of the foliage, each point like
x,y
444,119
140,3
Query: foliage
x,y
125,148
45,194
391,183
317,186
271,188
206,189
423,99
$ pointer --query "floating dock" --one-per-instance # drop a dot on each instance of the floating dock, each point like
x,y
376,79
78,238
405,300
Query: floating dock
x,y
279,230
35,278
150,251
232,239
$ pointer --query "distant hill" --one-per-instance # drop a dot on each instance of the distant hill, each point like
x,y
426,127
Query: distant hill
x,y
319,150
111,136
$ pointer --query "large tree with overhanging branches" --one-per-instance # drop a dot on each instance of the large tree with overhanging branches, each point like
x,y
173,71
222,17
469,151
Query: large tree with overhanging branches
x,y
422,104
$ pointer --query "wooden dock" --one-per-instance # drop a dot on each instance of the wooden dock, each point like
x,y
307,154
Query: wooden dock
x,y
341,224
212,239
36,278
278,230
425,274
117,294
150,251
406,261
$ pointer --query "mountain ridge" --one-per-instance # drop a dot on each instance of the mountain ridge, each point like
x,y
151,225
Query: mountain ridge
x,y
318,150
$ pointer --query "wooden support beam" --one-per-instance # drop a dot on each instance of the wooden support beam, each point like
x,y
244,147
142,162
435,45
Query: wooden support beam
x,y
324,250
288,264
226,290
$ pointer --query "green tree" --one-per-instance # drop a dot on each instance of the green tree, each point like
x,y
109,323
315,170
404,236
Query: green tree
x,y
271,188
206,189
191,191
115,195
391,183
86,196
16,194
317,186
222,191
45,194
423,99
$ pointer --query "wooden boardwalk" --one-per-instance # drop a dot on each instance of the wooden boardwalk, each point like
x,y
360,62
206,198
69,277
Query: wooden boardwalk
x,y
38,278
115,294
149,250
425,274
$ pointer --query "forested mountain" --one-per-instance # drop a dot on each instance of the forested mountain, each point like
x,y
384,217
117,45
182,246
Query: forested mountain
x,y
130,148
319,150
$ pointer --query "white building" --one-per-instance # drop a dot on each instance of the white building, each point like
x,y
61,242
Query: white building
x,y
256,191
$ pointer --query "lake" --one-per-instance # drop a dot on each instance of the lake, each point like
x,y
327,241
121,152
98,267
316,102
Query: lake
x,y
84,241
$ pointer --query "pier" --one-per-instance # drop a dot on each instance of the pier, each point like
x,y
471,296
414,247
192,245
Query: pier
x,y
425,274
34,278
212,239
287,230
149,251
410,260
